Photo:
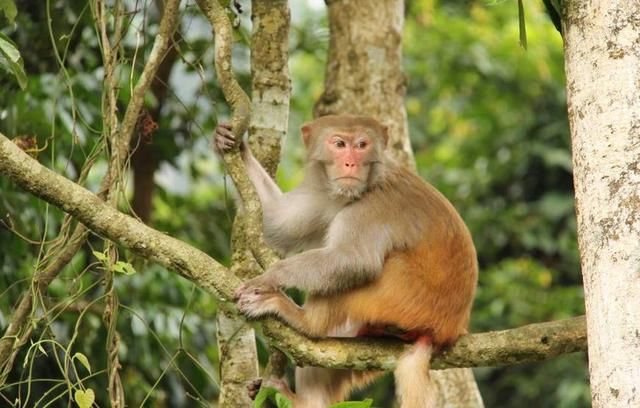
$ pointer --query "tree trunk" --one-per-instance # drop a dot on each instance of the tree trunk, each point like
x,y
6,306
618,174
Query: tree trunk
x,y
364,76
603,92
270,112
364,67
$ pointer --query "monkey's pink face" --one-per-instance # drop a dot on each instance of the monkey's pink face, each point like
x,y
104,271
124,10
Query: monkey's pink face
x,y
350,153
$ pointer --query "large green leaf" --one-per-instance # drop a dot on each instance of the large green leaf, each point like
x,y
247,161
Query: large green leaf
x,y
11,60
8,7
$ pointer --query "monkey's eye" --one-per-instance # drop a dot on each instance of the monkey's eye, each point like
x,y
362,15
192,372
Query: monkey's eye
x,y
361,144
339,143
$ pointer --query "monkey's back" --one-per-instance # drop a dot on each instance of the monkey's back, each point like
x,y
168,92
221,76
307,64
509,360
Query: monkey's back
x,y
428,287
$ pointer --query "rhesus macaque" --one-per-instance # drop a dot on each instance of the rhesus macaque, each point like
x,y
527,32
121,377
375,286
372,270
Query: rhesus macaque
x,y
374,247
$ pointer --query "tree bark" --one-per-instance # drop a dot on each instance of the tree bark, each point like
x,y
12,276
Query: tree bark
x,y
267,127
364,67
364,76
602,62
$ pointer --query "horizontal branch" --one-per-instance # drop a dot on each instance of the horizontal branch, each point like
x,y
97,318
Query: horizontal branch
x,y
521,345
525,344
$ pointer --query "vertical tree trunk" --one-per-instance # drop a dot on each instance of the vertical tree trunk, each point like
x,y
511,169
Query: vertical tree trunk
x,y
602,47
270,113
364,76
364,67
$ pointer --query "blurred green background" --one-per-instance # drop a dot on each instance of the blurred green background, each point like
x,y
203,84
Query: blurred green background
x,y
487,123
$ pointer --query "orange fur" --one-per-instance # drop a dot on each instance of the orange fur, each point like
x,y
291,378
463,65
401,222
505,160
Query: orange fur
x,y
428,288
395,253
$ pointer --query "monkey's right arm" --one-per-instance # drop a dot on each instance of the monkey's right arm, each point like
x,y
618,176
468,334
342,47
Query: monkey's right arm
x,y
289,219
268,191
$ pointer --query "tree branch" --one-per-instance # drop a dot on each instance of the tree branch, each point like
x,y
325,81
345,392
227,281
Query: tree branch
x,y
522,345
240,106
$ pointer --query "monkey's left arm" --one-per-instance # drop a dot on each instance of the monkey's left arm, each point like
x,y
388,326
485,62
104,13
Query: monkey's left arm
x,y
354,254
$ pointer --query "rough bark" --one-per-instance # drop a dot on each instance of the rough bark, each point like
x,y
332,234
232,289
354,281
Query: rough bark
x,y
364,67
522,345
238,358
364,76
240,105
267,127
602,60
271,87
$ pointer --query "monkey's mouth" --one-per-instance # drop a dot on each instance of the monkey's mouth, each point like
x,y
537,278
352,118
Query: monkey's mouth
x,y
348,179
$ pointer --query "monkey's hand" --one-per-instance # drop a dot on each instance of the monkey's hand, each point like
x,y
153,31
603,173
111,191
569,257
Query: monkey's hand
x,y
224,140
258,296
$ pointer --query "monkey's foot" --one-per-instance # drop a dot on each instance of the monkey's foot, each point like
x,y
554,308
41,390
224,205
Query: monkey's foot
x,y
256,303
254,387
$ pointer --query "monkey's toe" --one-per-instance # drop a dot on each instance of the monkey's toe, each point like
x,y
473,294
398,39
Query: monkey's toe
x,y
254,387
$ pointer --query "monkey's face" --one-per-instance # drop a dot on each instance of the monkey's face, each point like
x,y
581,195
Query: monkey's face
x,y
350,156
348,148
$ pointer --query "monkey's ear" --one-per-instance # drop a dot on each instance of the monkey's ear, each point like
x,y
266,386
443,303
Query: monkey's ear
x,y
306,131
385,134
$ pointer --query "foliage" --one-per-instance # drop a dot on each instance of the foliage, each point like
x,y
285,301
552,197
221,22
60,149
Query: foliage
x,y
488,125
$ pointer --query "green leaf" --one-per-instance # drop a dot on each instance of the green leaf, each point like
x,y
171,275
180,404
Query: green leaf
x,y
8,7
282,401
83,360
353,404
271,394
523,26
124,267
42,349
100,256
11,60
263,395
85,399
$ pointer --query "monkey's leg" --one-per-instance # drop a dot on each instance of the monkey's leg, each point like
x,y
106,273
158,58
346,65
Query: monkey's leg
x,y
320,387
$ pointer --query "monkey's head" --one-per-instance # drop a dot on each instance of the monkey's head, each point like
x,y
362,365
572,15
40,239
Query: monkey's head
x,y
348,149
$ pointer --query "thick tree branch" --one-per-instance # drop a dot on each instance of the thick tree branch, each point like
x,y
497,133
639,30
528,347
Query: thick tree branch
x,y
240,106
525,344
108,222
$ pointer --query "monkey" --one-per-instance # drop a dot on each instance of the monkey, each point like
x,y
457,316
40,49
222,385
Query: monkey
x,y
378,251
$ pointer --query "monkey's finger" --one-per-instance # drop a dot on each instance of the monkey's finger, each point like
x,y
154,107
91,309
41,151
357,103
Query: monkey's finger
x,y
226,140
224,132
223,145
237,294
226,144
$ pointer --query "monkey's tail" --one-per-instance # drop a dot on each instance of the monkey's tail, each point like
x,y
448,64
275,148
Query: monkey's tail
x,y
413,382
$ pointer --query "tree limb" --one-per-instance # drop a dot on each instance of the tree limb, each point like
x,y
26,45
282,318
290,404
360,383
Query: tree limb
x,y
521,345
240,106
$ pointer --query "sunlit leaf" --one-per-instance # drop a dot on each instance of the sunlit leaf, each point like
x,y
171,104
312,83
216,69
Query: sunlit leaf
x,y
85,398
100,256
271,394
11,60
282,401
8,8
124,267
83,360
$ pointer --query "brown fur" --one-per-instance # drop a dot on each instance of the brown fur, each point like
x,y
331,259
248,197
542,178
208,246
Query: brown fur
x,y
391,251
